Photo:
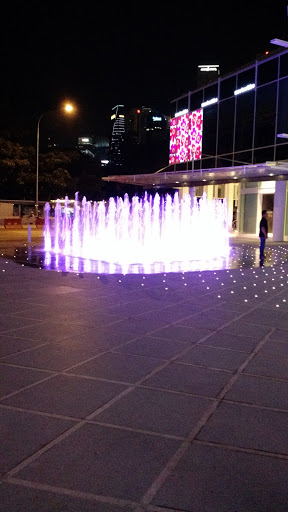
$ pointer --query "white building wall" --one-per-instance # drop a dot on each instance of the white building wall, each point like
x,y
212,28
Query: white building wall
x,y
279,211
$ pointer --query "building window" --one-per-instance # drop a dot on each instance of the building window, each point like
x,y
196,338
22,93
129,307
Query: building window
x,y
265,116
284,65
211,92
226,126
180,105
210,128
195,100
283,108
267,72
227,87
244,121
245,78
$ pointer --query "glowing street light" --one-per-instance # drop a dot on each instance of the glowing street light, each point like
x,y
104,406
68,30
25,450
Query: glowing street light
x,y
68,108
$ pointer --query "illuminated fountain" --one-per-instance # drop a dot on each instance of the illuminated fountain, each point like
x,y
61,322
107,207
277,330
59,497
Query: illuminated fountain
x,y
146,234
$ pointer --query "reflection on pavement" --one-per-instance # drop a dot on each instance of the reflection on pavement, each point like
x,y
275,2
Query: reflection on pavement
x,y
241,256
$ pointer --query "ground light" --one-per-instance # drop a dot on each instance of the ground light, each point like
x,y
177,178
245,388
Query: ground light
x,y
236,285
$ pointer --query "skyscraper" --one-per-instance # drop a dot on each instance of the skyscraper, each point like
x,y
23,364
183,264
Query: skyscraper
x,y
117,138
139,139
145,124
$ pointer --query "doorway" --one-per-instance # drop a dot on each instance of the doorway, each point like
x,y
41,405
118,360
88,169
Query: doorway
x,y
268,204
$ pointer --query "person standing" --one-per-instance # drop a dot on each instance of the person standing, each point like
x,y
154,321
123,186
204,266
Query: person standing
x,y
263,233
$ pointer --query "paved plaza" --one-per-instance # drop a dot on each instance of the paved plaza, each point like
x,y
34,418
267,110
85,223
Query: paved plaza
x,y
144,393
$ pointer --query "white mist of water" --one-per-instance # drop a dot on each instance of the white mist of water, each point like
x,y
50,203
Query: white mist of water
x,y
144,230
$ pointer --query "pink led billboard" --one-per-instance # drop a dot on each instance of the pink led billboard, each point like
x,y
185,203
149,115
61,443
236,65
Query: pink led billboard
x,y
186,137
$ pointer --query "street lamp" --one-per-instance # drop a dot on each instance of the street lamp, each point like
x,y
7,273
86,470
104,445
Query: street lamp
x,y
68,108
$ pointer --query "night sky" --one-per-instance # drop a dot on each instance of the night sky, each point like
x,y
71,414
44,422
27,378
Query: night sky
x,y
138,53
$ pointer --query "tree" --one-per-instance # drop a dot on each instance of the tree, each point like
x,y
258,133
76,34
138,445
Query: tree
x,y
15,164
55,179
18,172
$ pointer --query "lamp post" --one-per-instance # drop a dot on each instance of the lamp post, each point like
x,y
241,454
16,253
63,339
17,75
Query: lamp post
x,y
68,108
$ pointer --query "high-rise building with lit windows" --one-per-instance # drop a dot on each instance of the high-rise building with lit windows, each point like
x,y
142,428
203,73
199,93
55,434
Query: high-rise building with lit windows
x,y
136,134
117,137
146,123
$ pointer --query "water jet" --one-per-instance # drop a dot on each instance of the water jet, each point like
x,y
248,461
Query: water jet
x,y
148,231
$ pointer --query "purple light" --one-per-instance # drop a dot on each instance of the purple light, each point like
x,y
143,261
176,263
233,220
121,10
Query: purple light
x,y
149,231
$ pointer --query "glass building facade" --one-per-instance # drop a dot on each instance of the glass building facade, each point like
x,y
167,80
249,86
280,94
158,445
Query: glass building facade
x,y
242,128
245,121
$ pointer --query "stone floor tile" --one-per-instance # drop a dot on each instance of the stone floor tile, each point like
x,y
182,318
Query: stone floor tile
x,y
190,379
203,301
226,315
13,323
24,499
240,327
238,297
145,323
259,391
23,433
13,307
181,333
157,411
90,319
119,367
133,308
12,378
212,318
72,314
213,357
247,427
152,347
44,313
233,306
126,463
273,348
47,331
270,317
214,479
10,345
269,366
182,310
100,303
281,301
231,341
66,395
203,320
279,335
52,356
103,338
